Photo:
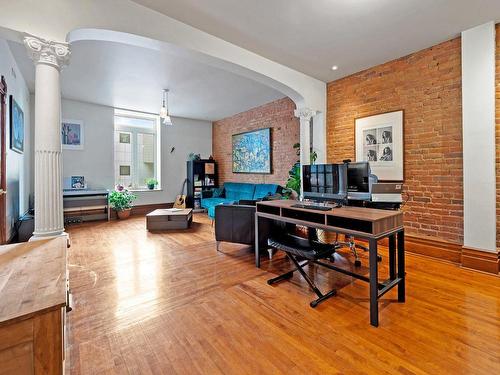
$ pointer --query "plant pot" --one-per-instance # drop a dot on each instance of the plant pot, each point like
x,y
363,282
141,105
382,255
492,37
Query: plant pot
x,y
123,214
151,187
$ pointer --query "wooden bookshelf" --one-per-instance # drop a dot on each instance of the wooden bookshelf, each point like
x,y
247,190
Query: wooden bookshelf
x,y
201,176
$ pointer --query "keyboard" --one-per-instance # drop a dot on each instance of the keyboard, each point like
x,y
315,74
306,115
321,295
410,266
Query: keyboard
x,y
312,207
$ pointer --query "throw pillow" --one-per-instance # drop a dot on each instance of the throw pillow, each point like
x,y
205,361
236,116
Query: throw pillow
x,y
217,192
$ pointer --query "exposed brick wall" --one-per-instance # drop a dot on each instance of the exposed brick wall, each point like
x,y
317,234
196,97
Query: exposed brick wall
x,y
497,130
277,115
427,86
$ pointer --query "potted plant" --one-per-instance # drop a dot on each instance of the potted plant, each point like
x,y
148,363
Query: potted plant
x,y
293,184
151,183
121,201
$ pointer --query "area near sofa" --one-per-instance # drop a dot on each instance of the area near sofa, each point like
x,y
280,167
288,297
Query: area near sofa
x,y
233,192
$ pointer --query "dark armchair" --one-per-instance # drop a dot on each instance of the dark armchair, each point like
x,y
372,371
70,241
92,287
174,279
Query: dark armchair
x,y
236,223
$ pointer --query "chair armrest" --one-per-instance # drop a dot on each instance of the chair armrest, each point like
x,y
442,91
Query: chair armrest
x,y
235,223
248,202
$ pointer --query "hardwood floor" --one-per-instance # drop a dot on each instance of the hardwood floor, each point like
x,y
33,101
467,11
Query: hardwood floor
x,y
168,303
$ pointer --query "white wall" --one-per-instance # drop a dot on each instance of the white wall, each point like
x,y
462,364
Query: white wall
x,y
95,161
478,102
18,165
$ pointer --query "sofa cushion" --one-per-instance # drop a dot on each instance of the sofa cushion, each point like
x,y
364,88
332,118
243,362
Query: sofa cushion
x,y
236,191
261,190
212,202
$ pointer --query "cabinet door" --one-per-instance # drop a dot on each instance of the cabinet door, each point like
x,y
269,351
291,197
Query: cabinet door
x,y
16,348
17,360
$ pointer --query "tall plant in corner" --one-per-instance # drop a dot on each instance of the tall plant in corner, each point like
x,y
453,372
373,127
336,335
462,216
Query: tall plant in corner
x,y
293,183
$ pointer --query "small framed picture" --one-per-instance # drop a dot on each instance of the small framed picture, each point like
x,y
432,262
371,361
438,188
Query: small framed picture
x,y
72,134
77,182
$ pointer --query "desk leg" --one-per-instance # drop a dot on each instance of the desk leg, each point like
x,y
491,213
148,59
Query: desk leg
x,y
373,283
401,266
392,257
256,247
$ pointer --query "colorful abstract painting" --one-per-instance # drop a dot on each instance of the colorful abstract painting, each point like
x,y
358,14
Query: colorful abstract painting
x,y
252,152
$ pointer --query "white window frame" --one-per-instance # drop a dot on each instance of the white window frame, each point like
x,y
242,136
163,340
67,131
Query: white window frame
x,y
133,139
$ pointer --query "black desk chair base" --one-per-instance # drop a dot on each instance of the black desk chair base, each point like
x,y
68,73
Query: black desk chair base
x,y
353,246
293,254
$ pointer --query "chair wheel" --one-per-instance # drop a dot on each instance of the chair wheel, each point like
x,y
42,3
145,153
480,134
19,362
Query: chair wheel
x,y
379,258
357,263
313,304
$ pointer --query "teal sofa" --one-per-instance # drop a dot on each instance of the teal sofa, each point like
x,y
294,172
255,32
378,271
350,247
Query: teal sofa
x,y
233,192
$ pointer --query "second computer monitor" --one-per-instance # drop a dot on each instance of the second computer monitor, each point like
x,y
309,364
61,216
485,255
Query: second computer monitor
x,y
358,180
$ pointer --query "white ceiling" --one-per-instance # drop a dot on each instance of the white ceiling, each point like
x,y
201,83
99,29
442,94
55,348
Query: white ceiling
x,y
313,35
131,77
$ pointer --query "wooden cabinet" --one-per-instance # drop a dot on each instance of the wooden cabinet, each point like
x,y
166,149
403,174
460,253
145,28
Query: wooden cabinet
x,y
33,299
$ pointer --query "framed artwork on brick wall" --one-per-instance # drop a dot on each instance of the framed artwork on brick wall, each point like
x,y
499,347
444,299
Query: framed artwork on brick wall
x,y
379,140
252,152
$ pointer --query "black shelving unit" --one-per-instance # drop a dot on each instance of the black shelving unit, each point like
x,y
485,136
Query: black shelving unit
x,y
201,175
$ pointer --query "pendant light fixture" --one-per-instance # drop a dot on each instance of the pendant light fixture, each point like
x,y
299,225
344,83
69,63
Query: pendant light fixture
x,y
164,115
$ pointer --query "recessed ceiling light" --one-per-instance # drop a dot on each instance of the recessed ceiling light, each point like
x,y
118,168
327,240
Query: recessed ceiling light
x,y
335,67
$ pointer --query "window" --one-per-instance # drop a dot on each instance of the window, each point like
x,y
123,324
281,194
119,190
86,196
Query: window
x,y
136,149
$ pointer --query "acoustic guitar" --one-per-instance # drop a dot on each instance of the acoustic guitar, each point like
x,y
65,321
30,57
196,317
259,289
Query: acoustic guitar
x,y
180,200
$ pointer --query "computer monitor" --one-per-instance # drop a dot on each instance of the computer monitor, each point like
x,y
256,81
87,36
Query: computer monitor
x,y
358,180
324,182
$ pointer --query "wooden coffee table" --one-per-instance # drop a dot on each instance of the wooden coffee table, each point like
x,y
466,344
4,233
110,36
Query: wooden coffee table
x,y
162,219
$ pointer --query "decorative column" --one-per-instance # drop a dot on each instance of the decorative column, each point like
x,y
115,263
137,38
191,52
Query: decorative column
x,y
49,57
305,115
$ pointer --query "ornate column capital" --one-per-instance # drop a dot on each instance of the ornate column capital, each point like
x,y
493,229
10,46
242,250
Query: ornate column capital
x,y
305,113
47,52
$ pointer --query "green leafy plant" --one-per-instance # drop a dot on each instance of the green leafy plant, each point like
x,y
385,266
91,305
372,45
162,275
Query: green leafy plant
x,y
121,200
313,155
151,182
193,156
293,183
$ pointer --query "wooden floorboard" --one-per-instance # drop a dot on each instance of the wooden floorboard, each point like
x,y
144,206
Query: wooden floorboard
x,y
168,303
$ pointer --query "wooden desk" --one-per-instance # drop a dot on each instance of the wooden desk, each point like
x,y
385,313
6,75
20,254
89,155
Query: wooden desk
x,y
33,296
364,223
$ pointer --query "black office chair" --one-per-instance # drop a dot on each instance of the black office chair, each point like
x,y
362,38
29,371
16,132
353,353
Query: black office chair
x,y
298,249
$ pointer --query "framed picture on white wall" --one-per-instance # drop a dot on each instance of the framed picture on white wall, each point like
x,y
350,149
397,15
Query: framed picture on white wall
x,y
72,134
379,140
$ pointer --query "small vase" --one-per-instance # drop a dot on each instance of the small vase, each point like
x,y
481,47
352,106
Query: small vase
x,y
151,187
124,214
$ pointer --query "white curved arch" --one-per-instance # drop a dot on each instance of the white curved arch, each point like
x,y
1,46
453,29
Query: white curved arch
x,y
143,42
55,19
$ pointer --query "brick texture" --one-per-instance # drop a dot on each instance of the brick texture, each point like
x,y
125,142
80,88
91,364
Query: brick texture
x,y
497,130
277,115
427,86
